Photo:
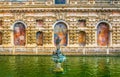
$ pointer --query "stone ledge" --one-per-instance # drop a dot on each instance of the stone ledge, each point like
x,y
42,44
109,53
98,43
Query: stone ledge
x,y
65,53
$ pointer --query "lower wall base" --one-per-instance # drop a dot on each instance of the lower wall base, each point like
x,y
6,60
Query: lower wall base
x,y
65,50
65,53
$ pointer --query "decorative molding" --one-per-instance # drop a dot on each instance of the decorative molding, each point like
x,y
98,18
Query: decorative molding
x,y
60,15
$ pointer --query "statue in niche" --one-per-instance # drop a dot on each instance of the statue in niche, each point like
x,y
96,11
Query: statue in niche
x,y
103,34
39,38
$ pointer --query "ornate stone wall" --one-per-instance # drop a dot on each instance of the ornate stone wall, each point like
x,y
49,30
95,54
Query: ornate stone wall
x,y
70,13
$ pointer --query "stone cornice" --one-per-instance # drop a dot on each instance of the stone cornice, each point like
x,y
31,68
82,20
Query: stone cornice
x,y
74,9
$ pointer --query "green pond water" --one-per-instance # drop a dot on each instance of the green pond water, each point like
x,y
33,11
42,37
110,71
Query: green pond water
x,y
42,66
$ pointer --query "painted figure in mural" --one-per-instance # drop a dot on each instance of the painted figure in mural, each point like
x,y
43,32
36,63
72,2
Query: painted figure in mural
x,y
103,34
19,34
39,23
0,38
61,32
39,38
82,38
82,23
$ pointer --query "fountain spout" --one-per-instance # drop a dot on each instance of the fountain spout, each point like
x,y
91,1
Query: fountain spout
x,y
58,57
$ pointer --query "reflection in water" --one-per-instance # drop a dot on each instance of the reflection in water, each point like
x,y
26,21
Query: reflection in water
x,y
40,66
103,68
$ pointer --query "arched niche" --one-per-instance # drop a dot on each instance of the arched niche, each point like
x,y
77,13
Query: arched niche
x,y
60,30
19,34
39,38
82,38
103,34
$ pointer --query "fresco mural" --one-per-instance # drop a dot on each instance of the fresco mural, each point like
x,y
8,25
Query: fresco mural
x,y
39,38
81,23
60,1
82,38
39,23
19,34
0,38
103,34
60,30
